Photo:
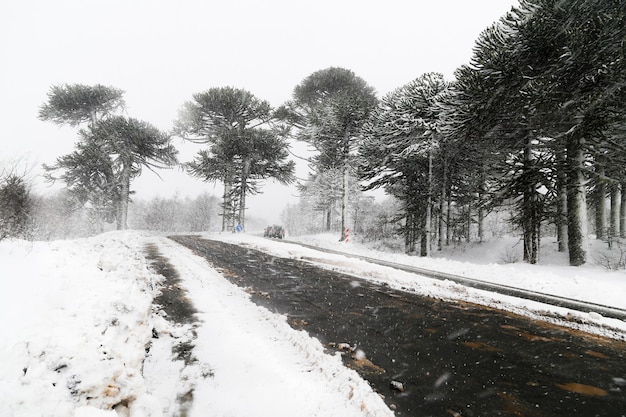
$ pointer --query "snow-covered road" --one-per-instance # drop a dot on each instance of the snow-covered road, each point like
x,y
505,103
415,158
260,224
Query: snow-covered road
x,y
398,337
78,318
259,365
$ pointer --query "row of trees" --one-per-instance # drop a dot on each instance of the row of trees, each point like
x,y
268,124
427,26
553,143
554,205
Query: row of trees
x,y
540,109
175,214
535,120
243,147
58,215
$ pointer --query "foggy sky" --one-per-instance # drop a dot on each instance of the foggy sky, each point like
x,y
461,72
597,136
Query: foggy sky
x,y
161,52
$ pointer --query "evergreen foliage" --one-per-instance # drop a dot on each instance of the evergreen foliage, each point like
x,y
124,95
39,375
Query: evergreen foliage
x,y
15,207
242,149
400,141
329,107
534,121
110,152
74,104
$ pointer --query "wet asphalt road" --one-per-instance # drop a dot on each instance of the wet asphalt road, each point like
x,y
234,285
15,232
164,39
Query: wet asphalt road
x,y
452,359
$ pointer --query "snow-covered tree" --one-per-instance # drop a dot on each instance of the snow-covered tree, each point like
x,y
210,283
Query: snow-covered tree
x,y
108,157
398,150
15,206
329,107
552,77
110,151
242,148
74,104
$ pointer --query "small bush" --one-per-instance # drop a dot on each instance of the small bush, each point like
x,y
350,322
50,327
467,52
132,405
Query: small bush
x,y
612,260
15,207
510,256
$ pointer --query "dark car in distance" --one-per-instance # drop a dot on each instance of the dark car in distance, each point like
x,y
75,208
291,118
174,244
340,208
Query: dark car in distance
x,y
274,231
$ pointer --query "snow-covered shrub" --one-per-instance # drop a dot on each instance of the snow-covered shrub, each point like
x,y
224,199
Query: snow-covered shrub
x,y
613,259
510,256
15,207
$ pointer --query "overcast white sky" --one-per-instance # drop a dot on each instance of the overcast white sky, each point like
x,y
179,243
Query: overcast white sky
x,y
161,52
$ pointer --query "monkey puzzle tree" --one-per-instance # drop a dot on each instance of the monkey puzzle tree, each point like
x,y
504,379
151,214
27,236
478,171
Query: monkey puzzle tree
x,y
108,157
397,153
240,151
85,170
330,106
74,104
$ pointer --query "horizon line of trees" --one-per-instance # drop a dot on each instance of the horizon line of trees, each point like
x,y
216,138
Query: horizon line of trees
x,y
534,122
243,147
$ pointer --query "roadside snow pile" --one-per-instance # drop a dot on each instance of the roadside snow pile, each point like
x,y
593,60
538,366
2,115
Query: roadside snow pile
x,y
492,261
75,325
590,283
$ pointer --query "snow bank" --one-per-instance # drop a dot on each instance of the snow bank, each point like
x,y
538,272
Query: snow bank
x,y
75,325
591,283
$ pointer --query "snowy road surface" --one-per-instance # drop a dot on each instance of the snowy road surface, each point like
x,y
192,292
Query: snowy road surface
x,y
253,362
81,336
429,357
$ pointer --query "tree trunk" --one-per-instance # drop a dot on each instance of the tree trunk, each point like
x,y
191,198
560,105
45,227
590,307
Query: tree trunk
x,y
122,223
530,216
576,201
344,204
561,200
448,215
599,198
329,217
614,224
409,241
429,205
424,241
469,222
622,211
242,206
538,240
226,205
244,190
481,198
344,183
481,222
442,205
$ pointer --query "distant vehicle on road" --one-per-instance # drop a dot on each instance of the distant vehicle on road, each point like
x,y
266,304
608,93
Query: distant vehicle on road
x,y
274,231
